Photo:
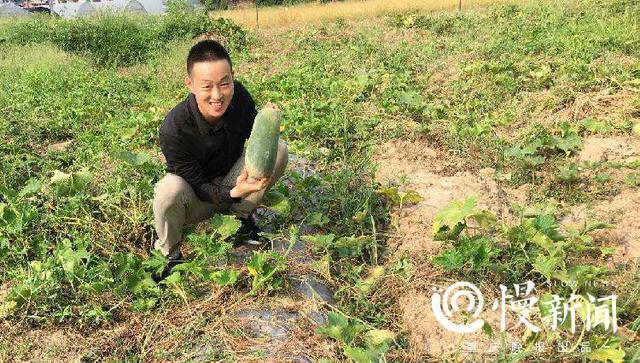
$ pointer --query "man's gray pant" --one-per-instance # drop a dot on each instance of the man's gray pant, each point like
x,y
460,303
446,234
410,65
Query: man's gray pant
x,y
175,204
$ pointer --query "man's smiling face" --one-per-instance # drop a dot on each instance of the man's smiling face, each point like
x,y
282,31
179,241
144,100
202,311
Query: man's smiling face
x,y
212,84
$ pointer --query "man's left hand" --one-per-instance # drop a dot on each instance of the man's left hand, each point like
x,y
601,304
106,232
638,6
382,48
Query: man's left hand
x,y
245,185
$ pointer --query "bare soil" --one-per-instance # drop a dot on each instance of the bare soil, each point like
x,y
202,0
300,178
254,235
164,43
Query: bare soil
x,y
622,209
612,149
623,213
440,177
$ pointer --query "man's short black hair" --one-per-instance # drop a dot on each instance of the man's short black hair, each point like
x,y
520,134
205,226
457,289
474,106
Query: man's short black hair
x,y
206,51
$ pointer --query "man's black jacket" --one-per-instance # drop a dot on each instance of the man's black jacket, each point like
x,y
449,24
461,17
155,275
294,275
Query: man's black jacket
x,y
198,151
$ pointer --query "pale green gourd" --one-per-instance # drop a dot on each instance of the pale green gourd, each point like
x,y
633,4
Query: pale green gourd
x,y
262,146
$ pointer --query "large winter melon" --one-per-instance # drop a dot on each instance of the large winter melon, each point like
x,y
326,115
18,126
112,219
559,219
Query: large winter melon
x,y
262,147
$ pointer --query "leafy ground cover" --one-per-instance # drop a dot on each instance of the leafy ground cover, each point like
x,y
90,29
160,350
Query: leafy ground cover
x,y
423,131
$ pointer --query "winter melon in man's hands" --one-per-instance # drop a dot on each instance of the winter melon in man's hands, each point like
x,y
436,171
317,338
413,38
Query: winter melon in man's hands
x,y
262,147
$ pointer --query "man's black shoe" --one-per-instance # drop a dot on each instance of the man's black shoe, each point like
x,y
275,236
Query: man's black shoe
x,y
173,262
249,233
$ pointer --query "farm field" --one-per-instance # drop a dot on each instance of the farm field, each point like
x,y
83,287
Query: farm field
x,y
282,17
495,146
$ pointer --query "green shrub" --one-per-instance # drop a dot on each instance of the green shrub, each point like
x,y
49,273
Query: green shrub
x,y
120,39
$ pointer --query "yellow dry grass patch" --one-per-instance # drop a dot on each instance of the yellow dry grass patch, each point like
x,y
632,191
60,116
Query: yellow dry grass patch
x,y
282,16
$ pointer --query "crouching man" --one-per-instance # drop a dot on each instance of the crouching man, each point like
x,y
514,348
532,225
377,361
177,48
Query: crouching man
x,y
202,139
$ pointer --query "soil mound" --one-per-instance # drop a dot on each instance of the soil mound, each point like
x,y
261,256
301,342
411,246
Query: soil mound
x,y
438,177
601,149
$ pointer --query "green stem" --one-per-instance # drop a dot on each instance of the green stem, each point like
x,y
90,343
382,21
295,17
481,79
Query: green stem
x,y
375,242
280,267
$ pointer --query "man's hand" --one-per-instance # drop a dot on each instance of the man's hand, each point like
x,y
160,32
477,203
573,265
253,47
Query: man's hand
x,y
244,186
272,105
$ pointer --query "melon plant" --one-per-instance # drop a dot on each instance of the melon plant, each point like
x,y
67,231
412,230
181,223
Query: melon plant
x,y
262,147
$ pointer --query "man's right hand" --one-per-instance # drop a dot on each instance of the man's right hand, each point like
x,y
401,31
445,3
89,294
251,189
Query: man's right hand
x,y
272,105
245,187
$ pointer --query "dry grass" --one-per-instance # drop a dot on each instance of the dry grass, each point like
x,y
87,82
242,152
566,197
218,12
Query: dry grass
x,y
283,16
